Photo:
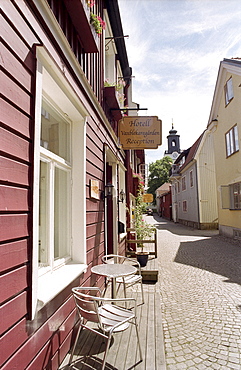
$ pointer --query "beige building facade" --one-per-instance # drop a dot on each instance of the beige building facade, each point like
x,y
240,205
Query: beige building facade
x,y
225,126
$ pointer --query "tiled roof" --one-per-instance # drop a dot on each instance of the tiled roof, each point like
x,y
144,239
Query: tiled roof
x,y
164,188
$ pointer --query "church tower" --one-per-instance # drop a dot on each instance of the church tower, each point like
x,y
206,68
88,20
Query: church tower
x,y
173,142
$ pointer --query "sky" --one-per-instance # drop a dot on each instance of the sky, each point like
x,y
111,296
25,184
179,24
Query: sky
x,y
174,49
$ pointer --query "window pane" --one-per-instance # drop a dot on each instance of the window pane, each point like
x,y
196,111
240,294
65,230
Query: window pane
x,y
191,178
55,132
230,89
236,138
228,144
237,195
61,213
231,141
43,214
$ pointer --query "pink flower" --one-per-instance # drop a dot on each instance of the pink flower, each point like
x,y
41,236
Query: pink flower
x,y
91,3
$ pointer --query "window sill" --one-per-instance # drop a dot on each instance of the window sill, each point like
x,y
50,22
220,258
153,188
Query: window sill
x,y
50,284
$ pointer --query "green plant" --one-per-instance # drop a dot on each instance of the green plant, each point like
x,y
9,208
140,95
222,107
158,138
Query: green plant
x,y
142,228
118,85
98,23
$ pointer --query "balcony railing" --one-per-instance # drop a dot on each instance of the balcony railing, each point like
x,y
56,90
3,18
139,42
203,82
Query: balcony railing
x,y
175,170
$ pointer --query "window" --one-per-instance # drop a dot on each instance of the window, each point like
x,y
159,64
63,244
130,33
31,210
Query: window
x,y
178,186
183,183
235,195
59,228
54,188
184,206
232,144
231,196
228,90
191,178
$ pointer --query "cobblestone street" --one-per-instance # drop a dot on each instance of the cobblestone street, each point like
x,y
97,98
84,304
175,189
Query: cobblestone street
x,y
200,287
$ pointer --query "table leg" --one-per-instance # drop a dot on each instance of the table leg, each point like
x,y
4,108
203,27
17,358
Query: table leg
x,y
113,288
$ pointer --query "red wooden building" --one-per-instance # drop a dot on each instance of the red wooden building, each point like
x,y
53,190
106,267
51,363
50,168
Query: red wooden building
x,y
164,201
59,157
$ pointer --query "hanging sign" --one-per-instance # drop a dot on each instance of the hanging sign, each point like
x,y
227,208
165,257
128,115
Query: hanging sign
x,y
140,132
147,198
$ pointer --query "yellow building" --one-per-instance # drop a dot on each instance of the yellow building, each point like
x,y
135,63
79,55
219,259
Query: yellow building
x,y
225,125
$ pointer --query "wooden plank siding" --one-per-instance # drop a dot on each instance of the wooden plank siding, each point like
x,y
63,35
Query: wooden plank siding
x,y
16,140
43,342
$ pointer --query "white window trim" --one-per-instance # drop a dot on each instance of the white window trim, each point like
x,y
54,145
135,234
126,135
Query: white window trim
x,y
191,178
231,141
184,182
46,287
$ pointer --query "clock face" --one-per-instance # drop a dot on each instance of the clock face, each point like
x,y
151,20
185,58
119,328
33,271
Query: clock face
x,y
175,155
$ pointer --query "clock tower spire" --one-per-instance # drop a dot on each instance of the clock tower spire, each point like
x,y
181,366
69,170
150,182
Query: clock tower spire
x,y
173,141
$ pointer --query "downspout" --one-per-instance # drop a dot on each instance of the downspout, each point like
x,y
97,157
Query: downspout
x,y
105,202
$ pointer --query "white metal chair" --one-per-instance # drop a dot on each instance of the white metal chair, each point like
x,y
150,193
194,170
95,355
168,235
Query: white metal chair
x,y
129,280
94,308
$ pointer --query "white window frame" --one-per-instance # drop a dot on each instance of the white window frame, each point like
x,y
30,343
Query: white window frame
x,y
235,195
184,185
191,179
54,161
231,141
228,90
184,208
47,286
227,193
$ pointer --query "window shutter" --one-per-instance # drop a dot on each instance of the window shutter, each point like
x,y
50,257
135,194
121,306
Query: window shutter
x,y
225,197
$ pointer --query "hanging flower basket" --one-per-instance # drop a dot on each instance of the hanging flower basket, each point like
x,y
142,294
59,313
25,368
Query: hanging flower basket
x,y
98,23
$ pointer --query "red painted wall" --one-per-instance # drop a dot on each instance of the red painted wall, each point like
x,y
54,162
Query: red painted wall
x,y
42,343
166,206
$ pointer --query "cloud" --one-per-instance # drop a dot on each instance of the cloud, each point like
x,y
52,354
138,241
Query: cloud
x,y
175,48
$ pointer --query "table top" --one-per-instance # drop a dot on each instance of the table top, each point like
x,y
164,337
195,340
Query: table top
x,y
113,270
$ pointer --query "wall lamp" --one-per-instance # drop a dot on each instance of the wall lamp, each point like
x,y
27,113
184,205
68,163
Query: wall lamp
x,y
108,190
121,196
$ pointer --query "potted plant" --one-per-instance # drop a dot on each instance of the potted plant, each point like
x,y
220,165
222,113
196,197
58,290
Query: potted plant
x,y
98,23
142,228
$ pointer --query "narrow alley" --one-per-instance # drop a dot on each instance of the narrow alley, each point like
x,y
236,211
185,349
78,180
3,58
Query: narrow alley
x,y
200,288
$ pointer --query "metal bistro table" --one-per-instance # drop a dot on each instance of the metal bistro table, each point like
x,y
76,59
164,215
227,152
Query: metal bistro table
x,y
113,271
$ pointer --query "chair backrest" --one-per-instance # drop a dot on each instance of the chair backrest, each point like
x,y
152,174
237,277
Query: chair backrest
x,y
85,302
116,258
113,258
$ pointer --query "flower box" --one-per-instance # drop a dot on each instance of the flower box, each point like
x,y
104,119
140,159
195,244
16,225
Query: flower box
x,y
80,16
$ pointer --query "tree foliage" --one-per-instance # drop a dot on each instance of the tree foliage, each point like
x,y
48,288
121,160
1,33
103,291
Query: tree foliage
x,y
158,174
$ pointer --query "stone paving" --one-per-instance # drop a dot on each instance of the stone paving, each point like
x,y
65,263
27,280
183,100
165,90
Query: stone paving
x,y
200,288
